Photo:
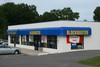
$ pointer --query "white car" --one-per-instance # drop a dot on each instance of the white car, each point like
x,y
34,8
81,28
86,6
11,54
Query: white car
x,y
5,49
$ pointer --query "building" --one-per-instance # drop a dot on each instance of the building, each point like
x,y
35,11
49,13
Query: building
x,y
56,36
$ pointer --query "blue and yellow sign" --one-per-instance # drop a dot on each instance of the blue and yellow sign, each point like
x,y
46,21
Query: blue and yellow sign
x,y
77,32
34,32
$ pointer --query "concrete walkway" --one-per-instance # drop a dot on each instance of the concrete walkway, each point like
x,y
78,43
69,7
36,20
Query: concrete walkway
x,y
32,52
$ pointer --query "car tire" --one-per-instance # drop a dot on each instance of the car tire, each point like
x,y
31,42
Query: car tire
x,y
16,52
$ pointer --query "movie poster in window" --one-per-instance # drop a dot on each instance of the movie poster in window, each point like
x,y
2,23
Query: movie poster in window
x,y
31,38
23,38
43,39
74,39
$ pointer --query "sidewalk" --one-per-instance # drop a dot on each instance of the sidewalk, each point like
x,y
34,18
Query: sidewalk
x,y
32,52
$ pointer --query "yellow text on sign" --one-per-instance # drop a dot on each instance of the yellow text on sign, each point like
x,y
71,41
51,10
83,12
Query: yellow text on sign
x,y
35,32
77,32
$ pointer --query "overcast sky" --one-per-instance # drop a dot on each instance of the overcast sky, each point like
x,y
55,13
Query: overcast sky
x,y
84,7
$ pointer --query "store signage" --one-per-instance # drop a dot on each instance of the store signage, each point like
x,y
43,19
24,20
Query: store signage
x,y
77,32
12,33
35,32
74,39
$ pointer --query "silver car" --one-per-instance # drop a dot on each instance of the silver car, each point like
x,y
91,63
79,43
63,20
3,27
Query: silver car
x,y
5,49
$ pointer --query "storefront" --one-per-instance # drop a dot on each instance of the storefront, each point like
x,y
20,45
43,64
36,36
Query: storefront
x,y
52,37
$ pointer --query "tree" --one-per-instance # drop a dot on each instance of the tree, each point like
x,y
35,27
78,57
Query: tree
x,y
64,14
3,25
20,13
96,16
48,17
14,14
28,13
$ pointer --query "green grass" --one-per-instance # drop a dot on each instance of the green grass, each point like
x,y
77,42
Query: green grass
x,y
91,61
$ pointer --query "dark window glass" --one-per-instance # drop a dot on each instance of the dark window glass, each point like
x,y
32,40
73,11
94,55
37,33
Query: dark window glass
x,y
23,40
31,40
78,45
27,40
52,42
14,39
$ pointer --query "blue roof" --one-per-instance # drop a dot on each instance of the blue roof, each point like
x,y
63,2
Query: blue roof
x,y
60,31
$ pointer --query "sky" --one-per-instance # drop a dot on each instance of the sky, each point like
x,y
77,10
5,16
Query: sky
x,y
84,7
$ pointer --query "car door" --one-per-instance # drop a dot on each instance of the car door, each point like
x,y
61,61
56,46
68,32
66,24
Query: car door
x,y
8,49
2,49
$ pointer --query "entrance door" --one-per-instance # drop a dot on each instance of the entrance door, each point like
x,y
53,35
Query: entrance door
x,y
37,41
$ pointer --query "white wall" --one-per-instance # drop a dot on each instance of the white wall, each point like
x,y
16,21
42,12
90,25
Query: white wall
x,y
36,25
9,39
22,46
26,47
19,39
50,50
93,41
62,45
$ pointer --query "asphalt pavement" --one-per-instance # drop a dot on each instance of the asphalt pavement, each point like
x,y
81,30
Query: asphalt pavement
x,y
69,59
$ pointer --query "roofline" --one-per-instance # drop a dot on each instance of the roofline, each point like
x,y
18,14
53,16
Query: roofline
x,y
56,21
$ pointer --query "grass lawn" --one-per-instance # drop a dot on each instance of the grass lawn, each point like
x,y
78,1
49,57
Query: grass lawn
x,y
91,61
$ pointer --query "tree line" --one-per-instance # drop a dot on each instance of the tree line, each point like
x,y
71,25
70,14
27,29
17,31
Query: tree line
x,y
14,14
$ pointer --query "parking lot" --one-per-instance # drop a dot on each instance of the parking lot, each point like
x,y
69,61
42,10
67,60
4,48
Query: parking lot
x,y
54,60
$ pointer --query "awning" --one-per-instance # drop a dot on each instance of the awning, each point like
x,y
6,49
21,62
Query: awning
x,y
59,31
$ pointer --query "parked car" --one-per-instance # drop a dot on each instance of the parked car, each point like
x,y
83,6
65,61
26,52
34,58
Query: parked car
x,y
5,49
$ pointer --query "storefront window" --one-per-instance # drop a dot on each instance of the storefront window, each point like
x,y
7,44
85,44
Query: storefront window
x,y
24,40
78,45
14,39
52,42
44,41
77,42
31,40
27,40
